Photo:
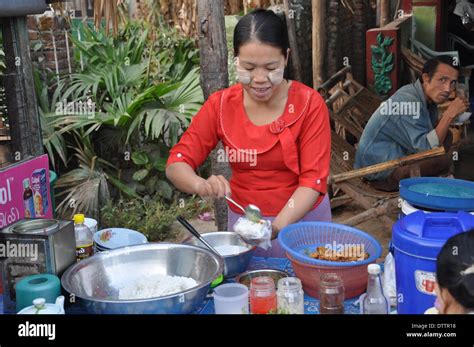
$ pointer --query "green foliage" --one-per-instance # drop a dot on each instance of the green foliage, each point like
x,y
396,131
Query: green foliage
x,y
125,97
144,88
150,176
150,216
53,140
382,64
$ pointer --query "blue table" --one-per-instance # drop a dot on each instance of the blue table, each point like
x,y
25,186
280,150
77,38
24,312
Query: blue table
x,y
311,305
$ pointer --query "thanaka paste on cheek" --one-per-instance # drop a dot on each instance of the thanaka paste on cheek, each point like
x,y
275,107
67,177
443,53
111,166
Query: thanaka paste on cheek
x,y
276,76
243,76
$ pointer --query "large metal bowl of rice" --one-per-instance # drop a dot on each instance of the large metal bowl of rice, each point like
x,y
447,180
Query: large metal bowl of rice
x,y
154,278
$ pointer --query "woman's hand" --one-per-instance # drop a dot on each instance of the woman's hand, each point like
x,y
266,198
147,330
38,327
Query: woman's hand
x,y
214,186
275,230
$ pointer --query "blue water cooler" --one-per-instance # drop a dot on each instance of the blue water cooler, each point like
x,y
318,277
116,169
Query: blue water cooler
x,y
417,240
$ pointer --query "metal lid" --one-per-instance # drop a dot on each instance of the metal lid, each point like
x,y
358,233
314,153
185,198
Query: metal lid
x,y
35,226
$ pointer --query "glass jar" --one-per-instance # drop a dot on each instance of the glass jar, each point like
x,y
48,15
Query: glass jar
x,y
290,296
263,297
331,294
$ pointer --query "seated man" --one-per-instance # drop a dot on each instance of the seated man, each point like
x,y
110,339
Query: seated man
x,y
407,123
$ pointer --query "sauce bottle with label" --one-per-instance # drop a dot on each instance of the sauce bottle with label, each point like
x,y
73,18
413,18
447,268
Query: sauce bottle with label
x,y
84,238
28,200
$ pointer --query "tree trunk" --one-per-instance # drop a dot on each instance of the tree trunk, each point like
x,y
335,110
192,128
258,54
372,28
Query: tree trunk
x,y
214,76
319,42
295,57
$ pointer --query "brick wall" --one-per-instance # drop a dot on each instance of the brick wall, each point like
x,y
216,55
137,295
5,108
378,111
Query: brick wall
x,y
47,34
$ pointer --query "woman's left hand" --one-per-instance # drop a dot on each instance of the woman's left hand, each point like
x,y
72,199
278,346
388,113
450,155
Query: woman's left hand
x,y
275,231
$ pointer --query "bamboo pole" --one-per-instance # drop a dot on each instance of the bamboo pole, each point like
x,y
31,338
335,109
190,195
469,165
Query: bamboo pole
x,y
391,164
384,12
319,41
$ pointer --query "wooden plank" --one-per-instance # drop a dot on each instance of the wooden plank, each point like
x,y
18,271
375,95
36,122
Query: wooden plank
x,y
23,116
366,215
391,164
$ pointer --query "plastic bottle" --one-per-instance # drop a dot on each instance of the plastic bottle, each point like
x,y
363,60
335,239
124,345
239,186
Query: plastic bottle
x,y
28,199
84,238
375,301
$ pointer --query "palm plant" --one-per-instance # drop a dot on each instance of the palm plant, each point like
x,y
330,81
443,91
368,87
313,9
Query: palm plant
x,y
131,111
124,96
85,189
53,140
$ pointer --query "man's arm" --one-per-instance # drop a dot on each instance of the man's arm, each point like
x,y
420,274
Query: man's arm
x,y
456,107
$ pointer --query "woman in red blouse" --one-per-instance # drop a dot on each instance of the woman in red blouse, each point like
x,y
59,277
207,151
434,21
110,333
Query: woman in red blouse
x,y
275,132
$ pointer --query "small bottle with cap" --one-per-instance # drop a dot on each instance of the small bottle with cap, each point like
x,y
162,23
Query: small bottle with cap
x,y
84,238
290,296
374,301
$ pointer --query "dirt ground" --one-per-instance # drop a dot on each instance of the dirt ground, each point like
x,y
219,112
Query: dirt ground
x,y
464,169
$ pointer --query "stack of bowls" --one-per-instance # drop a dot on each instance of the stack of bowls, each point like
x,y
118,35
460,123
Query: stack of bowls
x,y
111,238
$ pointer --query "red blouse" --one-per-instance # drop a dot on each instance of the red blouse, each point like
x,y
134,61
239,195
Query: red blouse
x,y
268,162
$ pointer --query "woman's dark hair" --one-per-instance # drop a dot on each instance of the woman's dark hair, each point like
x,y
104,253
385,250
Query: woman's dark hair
x,y
455,268
431,65
262,25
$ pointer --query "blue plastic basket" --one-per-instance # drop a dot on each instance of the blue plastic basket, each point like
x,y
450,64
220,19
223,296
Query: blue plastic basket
x,y
300,237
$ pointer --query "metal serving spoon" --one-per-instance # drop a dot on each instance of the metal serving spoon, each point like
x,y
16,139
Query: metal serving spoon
x,y
252,212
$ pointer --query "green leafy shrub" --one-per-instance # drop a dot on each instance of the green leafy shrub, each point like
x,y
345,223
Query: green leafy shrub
x,y
150,216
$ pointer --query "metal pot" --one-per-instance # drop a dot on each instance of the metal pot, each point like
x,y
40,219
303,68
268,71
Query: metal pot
x,y
234,264
96,281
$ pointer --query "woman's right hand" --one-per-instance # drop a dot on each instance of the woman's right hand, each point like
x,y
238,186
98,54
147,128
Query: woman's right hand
x,y
214,186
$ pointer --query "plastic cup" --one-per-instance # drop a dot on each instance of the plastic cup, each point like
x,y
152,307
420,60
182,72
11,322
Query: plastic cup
x,y
231,298
91,224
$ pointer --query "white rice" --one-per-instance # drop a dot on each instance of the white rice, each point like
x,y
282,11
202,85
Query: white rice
x,y
249,230
156,286
226,250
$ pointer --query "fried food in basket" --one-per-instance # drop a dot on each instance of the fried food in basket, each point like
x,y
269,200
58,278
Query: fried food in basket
x,y
348,253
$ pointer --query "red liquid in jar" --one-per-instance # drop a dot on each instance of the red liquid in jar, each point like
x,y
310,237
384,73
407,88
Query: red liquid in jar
x,y
262,305
263,297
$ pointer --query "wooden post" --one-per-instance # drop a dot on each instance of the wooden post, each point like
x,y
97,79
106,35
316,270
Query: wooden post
x,y
319,41
20,95
295,57
214,76
384,12
132,9
84,9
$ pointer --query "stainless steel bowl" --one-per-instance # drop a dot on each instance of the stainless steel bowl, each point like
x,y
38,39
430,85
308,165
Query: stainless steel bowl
x,y
96,281
233,264
246,277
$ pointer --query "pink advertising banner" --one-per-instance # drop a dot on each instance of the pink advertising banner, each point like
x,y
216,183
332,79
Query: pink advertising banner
x,y
24,191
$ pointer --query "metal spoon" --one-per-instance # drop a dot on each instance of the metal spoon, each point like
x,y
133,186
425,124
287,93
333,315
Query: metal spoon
x,y
193,231
252,212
